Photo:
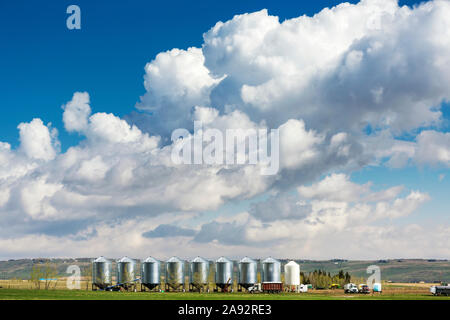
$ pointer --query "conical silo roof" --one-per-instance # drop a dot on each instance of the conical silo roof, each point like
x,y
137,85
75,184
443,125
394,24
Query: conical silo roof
x,y
126,259
101,259
247,260
151,259
270,260
174,259
223,259
199,259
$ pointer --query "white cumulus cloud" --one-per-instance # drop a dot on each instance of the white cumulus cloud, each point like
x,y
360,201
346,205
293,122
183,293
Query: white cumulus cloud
x,y
342,86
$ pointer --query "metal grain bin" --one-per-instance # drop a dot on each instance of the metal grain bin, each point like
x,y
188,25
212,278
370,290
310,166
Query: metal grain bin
x,y
224,271
174,271
101,272
292,274
271,270
198,271
248,270
151,272
126,270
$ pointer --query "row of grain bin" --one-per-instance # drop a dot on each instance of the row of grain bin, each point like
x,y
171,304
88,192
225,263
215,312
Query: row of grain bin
x,y
102,274
126,274
198,275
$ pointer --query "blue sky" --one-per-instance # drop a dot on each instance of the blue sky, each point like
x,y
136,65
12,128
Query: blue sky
x,y
43,64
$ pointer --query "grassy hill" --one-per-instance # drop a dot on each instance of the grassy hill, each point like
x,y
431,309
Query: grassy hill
x,y
397,270
21,269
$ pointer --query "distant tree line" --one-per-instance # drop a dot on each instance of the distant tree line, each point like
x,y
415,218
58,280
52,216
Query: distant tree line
x,y
322,280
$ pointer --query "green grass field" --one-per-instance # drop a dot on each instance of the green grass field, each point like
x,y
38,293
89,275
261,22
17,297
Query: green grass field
x,y
18,294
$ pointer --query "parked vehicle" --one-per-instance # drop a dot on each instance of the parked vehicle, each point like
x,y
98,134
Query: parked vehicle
x,y
335,286
272,287
440,290
363,288
256,288
376,287
303,288
350,288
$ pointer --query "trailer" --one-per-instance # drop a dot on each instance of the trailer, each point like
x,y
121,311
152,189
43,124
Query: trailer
x,y
272,287
440,290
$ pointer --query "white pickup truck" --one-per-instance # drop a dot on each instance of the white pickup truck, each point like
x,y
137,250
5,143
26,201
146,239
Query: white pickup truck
x,y
350,288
